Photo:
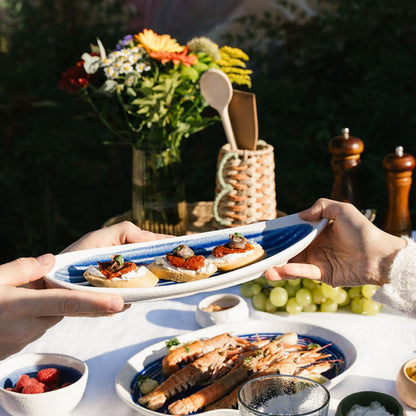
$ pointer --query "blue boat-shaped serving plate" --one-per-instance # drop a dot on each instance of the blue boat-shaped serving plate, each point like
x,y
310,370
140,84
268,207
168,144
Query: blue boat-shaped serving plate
x,y
281,238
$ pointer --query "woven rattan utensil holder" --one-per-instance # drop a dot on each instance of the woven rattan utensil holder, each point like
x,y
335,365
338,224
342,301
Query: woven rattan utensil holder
x,y
245,186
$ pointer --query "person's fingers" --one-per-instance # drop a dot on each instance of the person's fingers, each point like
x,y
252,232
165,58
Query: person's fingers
x,y
25,270
313,213
102,314
291,271
130,233
31,327
121,233
37,284
63,302
324,208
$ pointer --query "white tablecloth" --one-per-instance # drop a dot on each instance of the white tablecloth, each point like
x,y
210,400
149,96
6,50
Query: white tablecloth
x,y
384,342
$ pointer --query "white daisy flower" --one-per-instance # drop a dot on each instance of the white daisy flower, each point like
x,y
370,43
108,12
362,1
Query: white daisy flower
x,y
109,72
133,58
126,67
140,67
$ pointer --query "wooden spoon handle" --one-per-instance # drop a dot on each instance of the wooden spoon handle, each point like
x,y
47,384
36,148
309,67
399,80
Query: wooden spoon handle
x,y
228,129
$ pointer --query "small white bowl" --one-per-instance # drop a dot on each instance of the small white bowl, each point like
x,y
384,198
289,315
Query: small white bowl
x,y
220,309
406,387
51,403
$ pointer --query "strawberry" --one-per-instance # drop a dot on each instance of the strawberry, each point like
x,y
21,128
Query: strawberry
x,y
23,381
34,389
49,375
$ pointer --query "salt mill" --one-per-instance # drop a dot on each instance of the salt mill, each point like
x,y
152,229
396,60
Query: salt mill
x,y
345,159
398,167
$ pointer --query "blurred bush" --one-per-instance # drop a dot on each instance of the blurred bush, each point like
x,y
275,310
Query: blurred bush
x,y
352,66
57,180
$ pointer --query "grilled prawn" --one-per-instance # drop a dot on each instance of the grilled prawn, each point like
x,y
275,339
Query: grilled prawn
x,y
298,361
186,353
248,363
200,370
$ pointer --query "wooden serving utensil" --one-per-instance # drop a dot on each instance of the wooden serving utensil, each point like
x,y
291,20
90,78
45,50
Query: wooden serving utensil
x,y
217,90
243,115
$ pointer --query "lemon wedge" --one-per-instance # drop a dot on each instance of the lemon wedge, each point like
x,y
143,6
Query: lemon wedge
x,y
318,378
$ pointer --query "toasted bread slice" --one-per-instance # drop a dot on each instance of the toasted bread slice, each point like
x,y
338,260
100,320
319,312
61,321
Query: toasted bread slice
x,y
164,270
236,260
145,278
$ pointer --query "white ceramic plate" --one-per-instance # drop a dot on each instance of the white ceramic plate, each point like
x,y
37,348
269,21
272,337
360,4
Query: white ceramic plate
x,y
281,238
148,361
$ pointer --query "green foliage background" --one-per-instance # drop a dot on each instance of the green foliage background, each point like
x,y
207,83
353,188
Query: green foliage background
x,y
353,67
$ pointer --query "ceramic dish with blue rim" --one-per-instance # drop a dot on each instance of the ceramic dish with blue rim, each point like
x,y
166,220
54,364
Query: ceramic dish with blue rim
x,y
148,361
281,238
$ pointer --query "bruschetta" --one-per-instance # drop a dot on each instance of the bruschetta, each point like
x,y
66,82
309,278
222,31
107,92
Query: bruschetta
x,y
119,273
236,253
182,265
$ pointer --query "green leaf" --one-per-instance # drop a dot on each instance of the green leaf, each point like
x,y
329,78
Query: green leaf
x,y
130,91
191,73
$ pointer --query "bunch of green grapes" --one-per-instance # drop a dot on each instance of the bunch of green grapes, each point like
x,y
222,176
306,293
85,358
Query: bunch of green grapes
x,y
305,295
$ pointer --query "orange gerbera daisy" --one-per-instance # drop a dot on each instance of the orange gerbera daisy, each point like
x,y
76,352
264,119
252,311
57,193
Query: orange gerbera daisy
x,y
174,57
159,43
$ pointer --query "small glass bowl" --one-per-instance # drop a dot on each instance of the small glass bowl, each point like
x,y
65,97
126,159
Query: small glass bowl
x,y
283,395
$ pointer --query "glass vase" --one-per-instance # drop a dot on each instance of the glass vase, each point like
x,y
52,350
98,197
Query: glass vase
x,y
158,197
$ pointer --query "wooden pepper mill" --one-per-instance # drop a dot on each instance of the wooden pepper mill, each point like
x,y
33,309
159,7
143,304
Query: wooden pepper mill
x,y
346,157
398,167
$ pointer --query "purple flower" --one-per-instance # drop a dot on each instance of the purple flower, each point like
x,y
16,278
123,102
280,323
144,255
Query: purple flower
x,y
124,42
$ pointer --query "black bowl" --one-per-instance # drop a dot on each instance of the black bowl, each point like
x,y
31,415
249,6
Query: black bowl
x,y
365,398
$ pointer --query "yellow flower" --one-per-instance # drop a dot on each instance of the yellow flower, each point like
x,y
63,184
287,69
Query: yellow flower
x,y
232,63
158,43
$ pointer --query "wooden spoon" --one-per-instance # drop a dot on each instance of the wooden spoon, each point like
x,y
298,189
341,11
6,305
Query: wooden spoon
x,y
244,122
217,90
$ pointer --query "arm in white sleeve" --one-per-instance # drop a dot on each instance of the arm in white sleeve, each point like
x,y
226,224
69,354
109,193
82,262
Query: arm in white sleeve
x,y
400,292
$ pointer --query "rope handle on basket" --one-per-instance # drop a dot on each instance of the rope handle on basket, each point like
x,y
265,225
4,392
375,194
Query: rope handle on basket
x,y
226,188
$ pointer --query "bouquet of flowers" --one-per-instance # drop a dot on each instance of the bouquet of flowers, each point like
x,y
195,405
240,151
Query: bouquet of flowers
x,y
147,91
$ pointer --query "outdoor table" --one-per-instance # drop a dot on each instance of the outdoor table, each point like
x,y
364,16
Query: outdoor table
x,y
383,342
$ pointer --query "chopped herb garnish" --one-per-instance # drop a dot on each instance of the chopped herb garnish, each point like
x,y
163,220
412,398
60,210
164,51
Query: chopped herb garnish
x,y
172,342
247,359
187,349
312,346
